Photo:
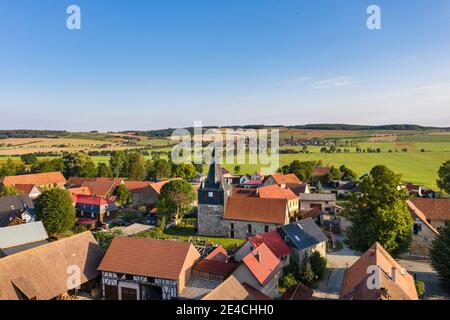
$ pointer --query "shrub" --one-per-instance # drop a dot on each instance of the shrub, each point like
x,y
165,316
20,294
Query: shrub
x,y
420,287
288,280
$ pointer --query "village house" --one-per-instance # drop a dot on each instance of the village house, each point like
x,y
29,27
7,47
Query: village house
x,y
91,210
147,269
30,190
320,172
261,269
41,273
16,210
232,290
304,238
323,201
436,211
423,233
22,237
41,180
76,182
297,189
145,192
282,180
216,266
395,282
248,216
272,240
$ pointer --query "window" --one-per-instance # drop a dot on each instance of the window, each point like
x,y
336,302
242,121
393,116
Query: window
x,y
417,228
266,228
210,194
232,226
150,280
249,228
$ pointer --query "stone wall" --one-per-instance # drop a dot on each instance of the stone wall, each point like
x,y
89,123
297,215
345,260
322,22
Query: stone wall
x,y
210,220
241,228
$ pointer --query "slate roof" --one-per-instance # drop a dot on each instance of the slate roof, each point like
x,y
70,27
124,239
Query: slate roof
x,y
12,207
317,197
22,234
303,234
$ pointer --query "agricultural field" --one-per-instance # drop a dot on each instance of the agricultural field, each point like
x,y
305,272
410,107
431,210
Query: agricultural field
x,y
414,154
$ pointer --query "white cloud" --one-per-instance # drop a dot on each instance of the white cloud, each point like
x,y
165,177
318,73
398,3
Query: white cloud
x,y
339,82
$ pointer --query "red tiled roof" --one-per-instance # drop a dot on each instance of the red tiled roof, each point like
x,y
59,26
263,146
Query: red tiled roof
x,y
285,178
257,209
298,292
148,257
90,200
262,263
24,188
433,209
355,278
79,181
134,186
157,186
38,179
419,214
255,294
274,241
321,171
80,190
99,188
274,191
216,267
218,254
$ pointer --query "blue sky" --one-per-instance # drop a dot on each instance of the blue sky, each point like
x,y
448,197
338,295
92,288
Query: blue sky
x,y
155,64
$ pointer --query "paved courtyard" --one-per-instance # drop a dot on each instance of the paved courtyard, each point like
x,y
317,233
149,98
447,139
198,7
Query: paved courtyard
x,y
338,262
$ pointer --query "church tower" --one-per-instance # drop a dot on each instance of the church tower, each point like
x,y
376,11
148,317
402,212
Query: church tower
x,y
212,199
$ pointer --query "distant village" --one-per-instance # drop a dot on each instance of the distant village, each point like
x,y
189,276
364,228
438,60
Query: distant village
x,y
256,237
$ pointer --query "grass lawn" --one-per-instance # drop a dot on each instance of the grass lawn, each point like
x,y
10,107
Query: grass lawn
x,y
187,233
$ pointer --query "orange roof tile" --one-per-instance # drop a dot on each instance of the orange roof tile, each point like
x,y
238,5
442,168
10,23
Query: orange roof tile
x,y
416,211
147,257
321,171
433,209
134,186
285,178
80,190
257,209
274,191
354,285
262,263
99,188
38,179
24,188
157,186
274,241
298,292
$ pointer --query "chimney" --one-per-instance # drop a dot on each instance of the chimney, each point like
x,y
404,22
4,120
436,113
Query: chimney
x,y
258,256
394,274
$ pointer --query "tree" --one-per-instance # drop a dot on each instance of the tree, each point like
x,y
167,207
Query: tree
x,y
6,191
303,170
288,281
175,200
135,166
440,254
30,158
318,264
54,208
117,162
46,165
444,177
159,170
74,163
380,213
237,170
420,288
89,170
104,171
104,238
307,275
184,171
123,195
